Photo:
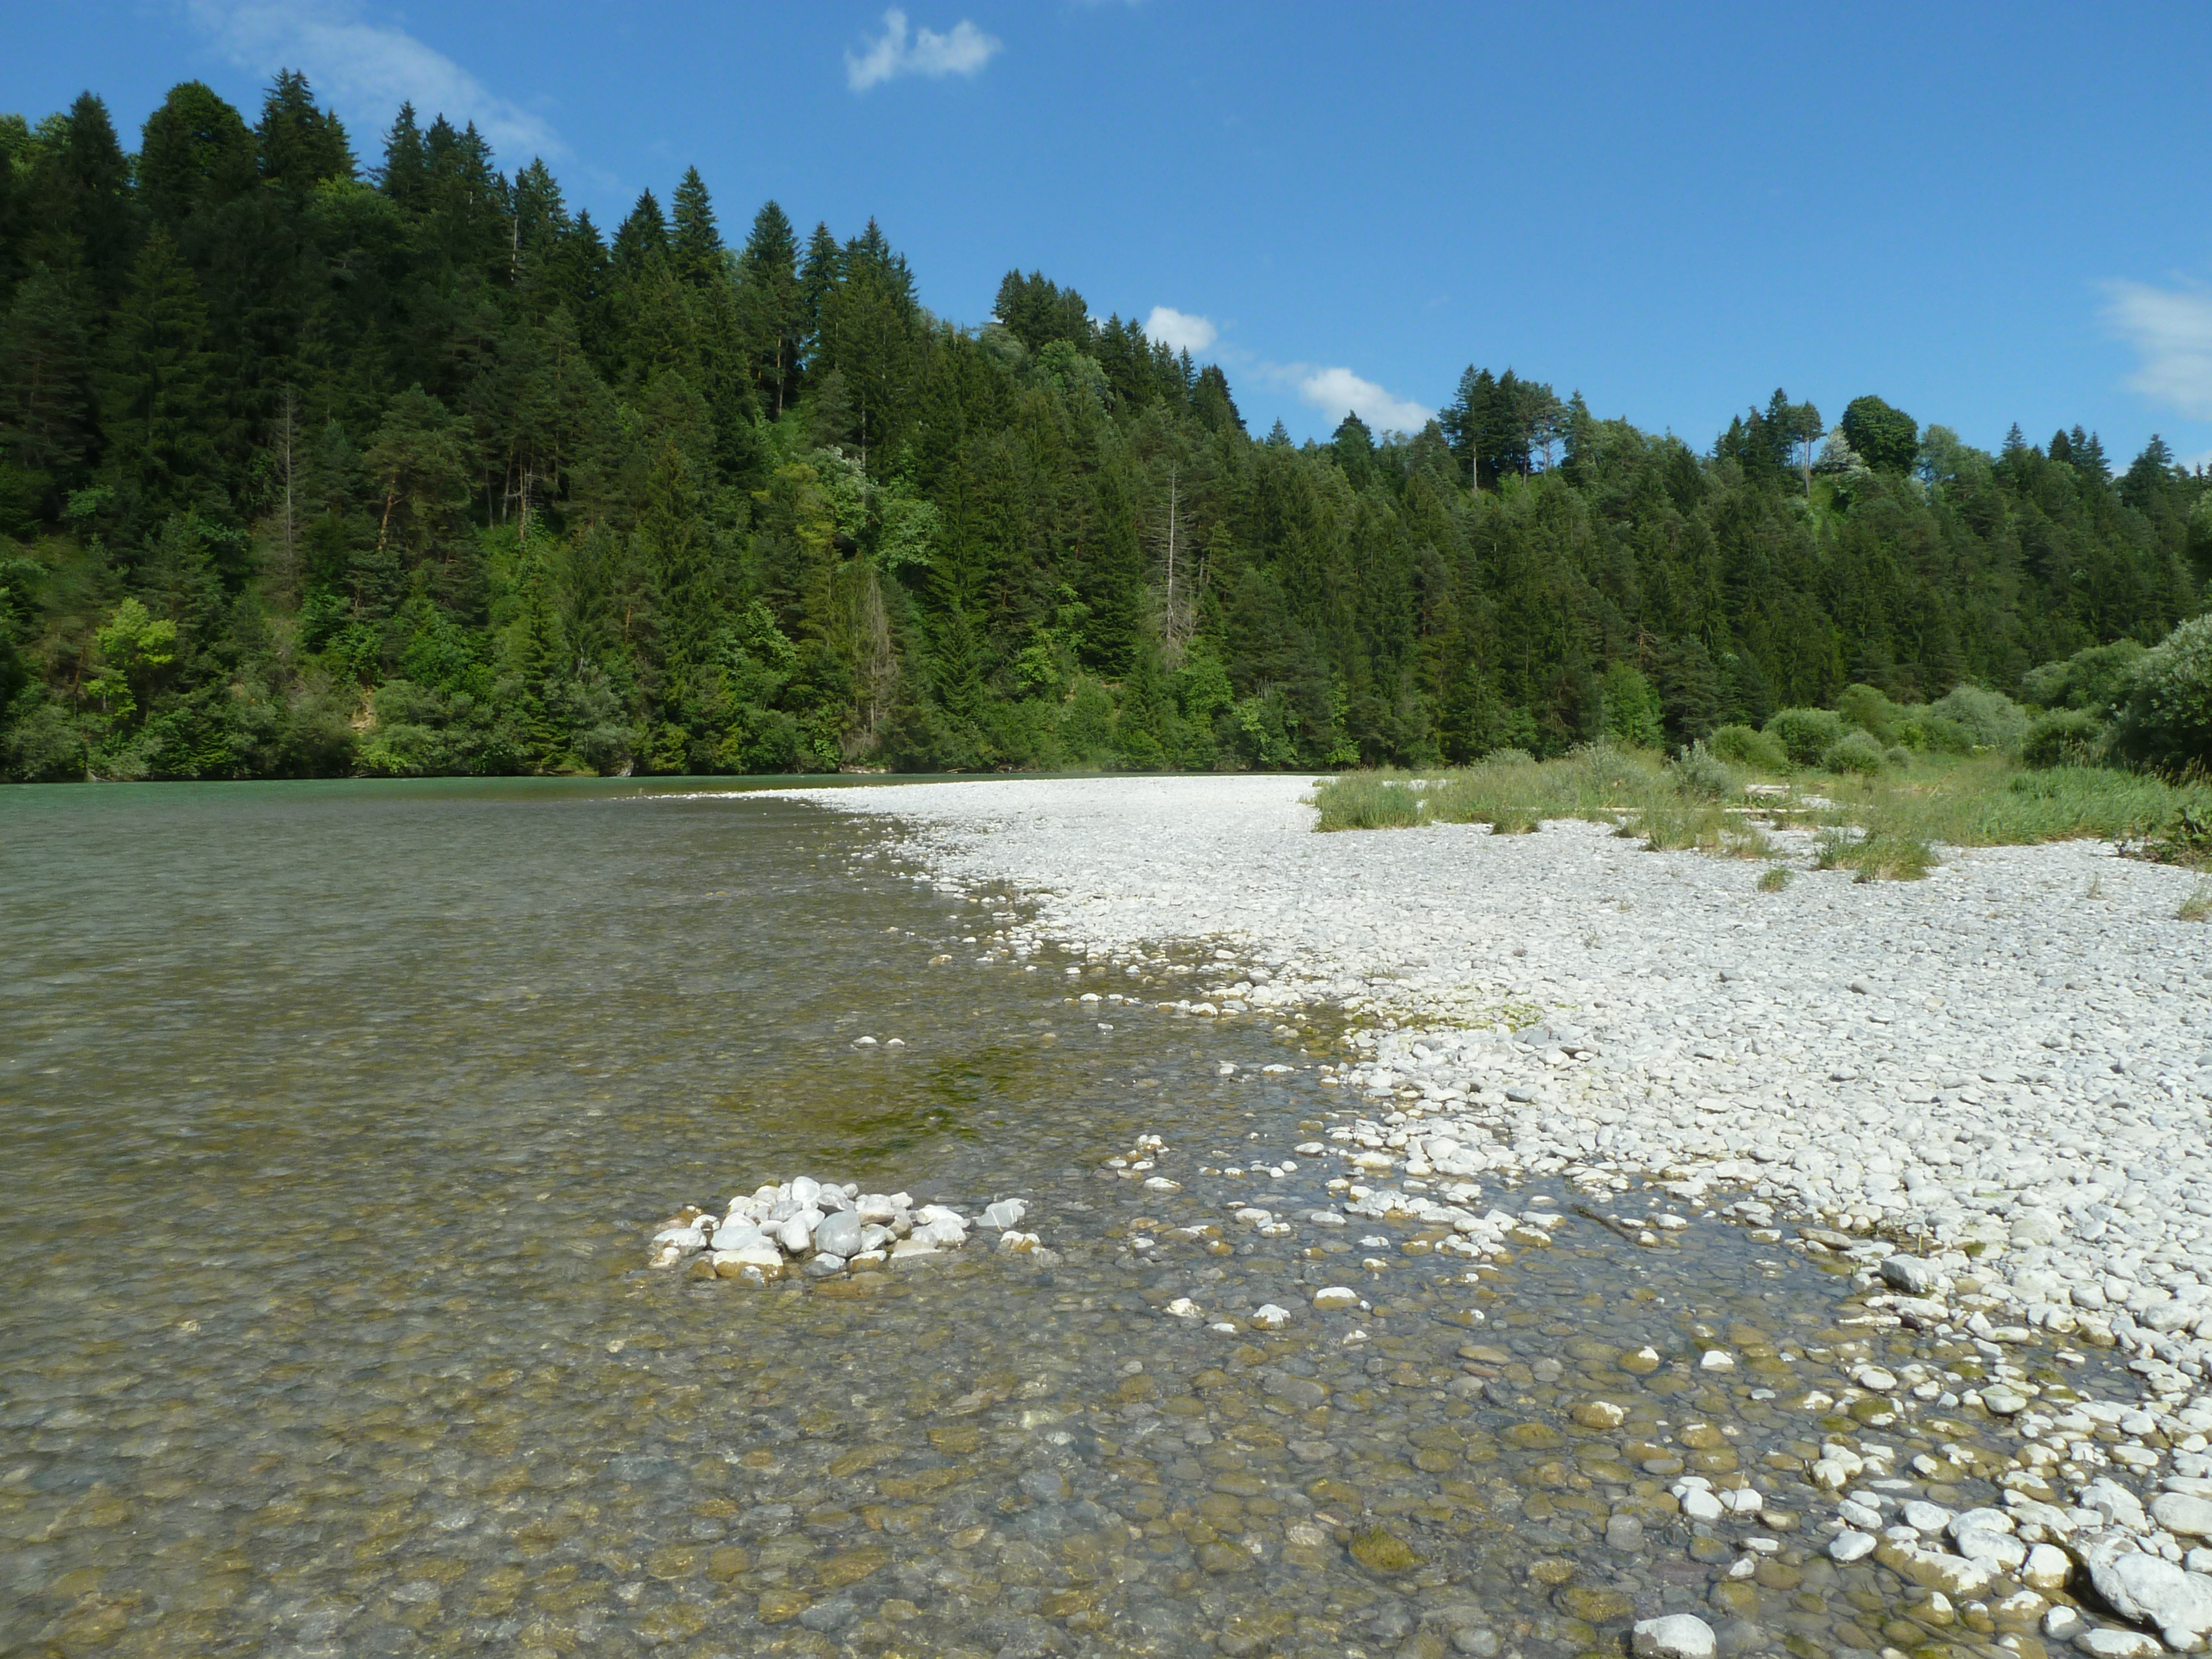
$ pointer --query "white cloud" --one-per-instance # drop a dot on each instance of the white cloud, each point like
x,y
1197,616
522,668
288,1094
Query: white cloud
x,y
1334,391
964,51
367,69
1178,331
2172,331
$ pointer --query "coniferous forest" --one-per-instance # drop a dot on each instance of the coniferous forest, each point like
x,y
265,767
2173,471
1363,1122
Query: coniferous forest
x,y
320,460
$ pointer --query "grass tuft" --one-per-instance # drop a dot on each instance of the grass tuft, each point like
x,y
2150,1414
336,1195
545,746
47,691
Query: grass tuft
x,y
1774,880
1368,801
2197,907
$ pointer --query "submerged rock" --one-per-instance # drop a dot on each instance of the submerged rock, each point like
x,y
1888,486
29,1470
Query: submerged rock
x,y
1677,1636
1380,1550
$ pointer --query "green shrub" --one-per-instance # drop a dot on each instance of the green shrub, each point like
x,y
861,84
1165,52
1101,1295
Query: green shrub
x,y
1934,734
1507,757
1855,752
1697,772
1869,709
2165,718
2064,736
1742,745
1995,719
2096,679
1898,756
1774,880
1806,734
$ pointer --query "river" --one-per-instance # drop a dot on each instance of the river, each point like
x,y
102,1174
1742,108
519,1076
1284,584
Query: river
x,y
338,1118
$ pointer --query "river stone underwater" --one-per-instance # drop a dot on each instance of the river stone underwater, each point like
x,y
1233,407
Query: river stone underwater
x,y
338,1117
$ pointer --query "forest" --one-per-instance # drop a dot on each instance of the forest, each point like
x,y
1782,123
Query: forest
x,y
319,463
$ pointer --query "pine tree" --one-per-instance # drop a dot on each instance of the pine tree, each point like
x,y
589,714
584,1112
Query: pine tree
x,y
298,145
402,175
641,239
696,248
769,309
824,268
44,374
195,154
159,410
80,208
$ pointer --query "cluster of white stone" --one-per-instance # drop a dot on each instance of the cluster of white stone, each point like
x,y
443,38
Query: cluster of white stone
x,y
821,1229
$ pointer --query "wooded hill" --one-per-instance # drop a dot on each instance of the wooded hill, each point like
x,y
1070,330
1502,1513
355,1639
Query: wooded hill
x,y
310,467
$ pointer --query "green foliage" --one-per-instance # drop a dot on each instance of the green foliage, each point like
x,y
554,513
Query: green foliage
x,y
428,474
1990,717
1774,880
1698,772
1744,746
1631,713
1887,440
1854,751
2094,678
2166,721
1871,711
1806,734
2063,737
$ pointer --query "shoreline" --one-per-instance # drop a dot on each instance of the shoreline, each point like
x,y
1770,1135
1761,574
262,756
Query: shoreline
x,y
2010,1062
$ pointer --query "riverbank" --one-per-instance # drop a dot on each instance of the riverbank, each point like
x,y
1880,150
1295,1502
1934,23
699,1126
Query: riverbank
x,y
2008,1063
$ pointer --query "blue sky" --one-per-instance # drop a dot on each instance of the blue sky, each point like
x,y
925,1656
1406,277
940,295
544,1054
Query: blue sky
x,y
1985,214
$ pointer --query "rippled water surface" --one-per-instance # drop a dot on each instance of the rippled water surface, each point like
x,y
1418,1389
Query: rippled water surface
x,y
338,1117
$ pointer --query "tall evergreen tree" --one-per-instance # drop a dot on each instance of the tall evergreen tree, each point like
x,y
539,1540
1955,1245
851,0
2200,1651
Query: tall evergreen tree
x,y
194,155
159,409
402,175
298,145
641,239
771,311
695,249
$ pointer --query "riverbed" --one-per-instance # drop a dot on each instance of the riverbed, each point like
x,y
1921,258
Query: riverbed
x,y
339,1117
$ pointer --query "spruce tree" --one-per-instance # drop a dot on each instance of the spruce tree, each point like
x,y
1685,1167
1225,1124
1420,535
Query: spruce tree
x,y
402,174
641,239
159,408
299,146
45,380
769,308
194,155
695,249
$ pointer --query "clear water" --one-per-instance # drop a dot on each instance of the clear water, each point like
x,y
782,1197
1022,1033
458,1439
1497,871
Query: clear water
x,y
336,1117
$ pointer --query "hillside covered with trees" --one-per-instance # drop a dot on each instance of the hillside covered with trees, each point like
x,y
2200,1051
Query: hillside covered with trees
x,y
314,462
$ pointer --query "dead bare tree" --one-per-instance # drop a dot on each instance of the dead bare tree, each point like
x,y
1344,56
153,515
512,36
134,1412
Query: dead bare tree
x,y
1179,610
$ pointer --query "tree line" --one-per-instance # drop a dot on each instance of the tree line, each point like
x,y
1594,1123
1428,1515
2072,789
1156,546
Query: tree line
x,y
311,467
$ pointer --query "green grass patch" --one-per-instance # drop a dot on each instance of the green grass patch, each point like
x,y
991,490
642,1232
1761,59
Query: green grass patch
x,y
1986,801
1883,825
1368,801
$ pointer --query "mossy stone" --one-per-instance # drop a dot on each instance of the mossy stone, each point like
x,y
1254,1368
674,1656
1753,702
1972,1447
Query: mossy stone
x,y
1380,1550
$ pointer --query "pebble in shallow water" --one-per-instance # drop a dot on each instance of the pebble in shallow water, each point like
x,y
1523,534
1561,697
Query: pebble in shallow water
x,y
820,1229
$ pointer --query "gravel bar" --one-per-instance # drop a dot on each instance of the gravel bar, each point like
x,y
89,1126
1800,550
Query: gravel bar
x,y
2010,1061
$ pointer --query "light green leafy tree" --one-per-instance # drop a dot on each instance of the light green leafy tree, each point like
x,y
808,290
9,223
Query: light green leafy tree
x,y
130,645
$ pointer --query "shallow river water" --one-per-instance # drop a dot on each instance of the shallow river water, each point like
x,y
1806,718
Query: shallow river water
x,y
338,1118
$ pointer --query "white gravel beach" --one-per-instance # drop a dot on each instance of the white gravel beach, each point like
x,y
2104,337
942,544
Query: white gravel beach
x,y
1986,1092
2012,1058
